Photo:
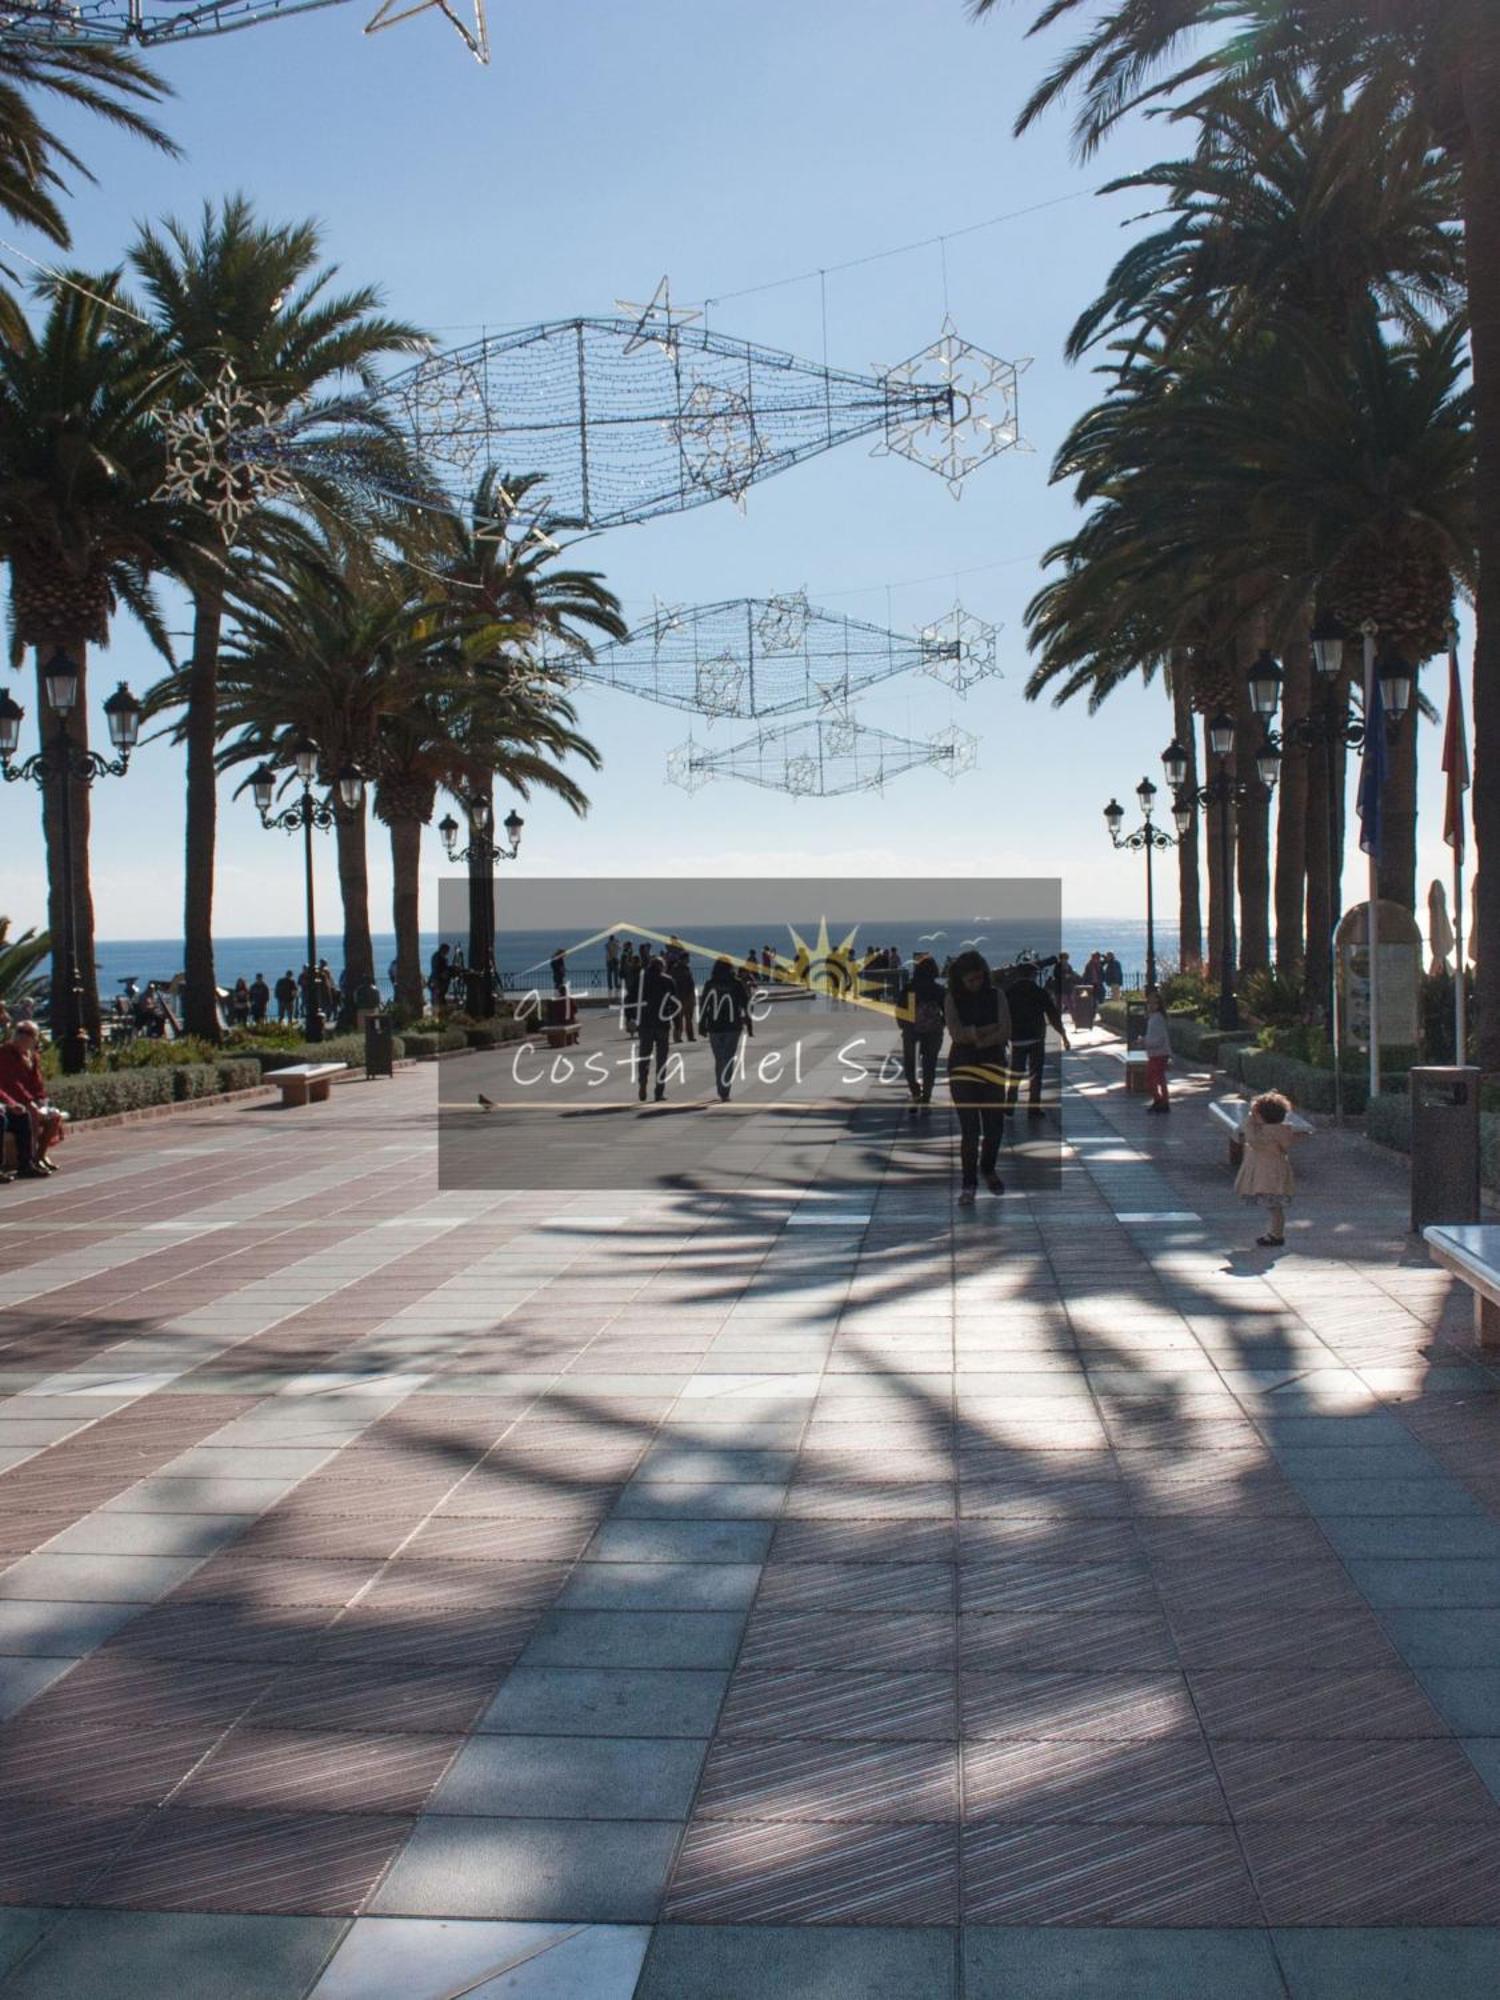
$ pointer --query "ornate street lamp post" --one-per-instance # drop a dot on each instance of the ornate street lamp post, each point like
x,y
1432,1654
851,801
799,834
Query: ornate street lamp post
x,y
1223,791
63,763
480,856
1149,839
307,813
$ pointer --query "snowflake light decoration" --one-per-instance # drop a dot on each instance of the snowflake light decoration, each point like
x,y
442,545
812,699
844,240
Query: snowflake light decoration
x,y
955,751
720,685
981,416
720,445
782,625
841,735
801,776
447,411
686,767
959,649
223,455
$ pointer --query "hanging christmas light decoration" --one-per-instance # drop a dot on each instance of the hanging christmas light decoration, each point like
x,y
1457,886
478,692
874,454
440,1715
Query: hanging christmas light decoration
x,y
959,649
979,419
754,656
651,413
227,455
820,759
148,23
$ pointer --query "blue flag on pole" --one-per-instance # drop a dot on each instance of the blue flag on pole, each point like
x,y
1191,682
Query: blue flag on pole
x,y
1372,774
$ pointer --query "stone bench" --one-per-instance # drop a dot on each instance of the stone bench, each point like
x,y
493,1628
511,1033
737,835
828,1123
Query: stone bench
x,y
1471,1251
305,1083
1135,1068
1232,1113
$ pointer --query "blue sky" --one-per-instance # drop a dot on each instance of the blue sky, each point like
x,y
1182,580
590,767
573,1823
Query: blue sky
x,y
730,146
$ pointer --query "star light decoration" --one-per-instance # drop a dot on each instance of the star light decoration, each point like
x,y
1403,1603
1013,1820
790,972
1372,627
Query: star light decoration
x,y
656,323
981,418
475,38
224,455
959,649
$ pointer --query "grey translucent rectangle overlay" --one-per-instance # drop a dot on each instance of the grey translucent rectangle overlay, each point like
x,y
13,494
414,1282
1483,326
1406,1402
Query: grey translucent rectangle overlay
x,y
818,1094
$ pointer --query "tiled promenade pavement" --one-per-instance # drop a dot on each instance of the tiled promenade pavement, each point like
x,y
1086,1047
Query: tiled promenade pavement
x,y
411,1594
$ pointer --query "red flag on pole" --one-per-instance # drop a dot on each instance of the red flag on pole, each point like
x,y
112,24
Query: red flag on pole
x,y
1455,762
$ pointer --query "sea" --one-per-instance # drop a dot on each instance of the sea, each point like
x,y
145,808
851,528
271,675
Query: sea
x,y
523,956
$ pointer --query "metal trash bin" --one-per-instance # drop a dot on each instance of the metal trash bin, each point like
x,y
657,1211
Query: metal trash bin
x,y
1444,1146
1084,1005
380,1046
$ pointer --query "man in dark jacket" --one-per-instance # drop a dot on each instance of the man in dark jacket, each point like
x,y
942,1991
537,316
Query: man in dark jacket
x,y
657,1007
260,998
1032,1011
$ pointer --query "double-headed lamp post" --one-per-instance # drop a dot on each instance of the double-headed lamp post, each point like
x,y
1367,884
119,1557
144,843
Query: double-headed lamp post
x,y
61,762
1149,839
1224,791
307,813
480,856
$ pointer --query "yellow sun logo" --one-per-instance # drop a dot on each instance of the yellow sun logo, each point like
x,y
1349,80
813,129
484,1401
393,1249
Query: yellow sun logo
x,y
832,970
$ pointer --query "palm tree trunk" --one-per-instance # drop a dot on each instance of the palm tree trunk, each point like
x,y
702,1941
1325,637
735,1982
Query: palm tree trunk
x,y
1397,872
1189,889
1253,848
1479,82
201,1005
406,901
68,857
354,890
1291,817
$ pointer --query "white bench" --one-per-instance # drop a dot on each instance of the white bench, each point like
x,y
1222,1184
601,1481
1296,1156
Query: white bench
x,y
1232,1113
305,1083
1471,1251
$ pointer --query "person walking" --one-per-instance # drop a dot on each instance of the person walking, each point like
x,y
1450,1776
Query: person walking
x,y
1158,1047
919,1007
685,1021
1114,978
559,965
630,987
978,1022
1265,1176
611,965
724,1017
286,995
260,999
1032,1011
239,1003
656,1009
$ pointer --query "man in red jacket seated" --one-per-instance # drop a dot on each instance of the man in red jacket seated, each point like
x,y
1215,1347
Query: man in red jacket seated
x,y
23,1098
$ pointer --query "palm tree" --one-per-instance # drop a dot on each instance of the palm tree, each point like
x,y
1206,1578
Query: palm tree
x,y
1440,58
256,298
82,530
19,959
108,82
498,562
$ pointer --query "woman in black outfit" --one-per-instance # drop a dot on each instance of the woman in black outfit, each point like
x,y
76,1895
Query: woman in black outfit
x,y
724,1018
978,1020
919,1002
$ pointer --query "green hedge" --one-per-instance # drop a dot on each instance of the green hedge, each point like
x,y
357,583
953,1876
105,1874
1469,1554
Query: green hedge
x,y
1309,1089
106,1093
422,1044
